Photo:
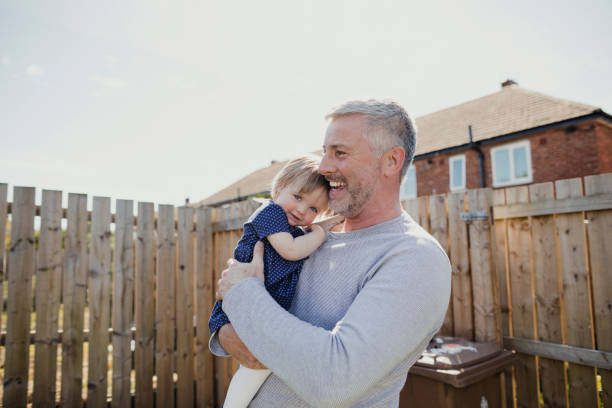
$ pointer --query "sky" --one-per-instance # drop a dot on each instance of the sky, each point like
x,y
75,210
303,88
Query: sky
x,y
162,101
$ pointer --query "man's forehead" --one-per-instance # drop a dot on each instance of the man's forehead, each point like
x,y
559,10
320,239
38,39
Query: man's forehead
x,y
344,131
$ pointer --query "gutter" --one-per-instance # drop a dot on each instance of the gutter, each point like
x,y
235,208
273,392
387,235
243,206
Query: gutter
x,y
481,158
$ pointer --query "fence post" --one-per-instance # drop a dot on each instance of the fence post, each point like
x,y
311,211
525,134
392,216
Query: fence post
x,y
20,270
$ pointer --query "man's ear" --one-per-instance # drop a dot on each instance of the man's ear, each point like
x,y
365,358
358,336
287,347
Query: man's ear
x,y
393,161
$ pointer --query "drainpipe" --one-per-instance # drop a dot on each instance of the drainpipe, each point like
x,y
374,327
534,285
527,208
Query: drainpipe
x,y
476,147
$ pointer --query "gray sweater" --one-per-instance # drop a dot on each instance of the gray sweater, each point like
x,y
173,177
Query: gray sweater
x,y
367,304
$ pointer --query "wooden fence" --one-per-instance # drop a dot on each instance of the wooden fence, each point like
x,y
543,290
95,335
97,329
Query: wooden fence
x,y
120,306
113,308
532,270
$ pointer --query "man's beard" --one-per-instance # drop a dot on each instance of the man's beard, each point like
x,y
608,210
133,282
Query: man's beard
x,y
358,196
355,203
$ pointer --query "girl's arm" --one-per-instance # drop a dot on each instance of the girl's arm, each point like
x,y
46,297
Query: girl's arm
x,y
294,249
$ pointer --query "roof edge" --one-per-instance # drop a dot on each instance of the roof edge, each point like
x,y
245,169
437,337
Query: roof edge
x,y
596,114
229,201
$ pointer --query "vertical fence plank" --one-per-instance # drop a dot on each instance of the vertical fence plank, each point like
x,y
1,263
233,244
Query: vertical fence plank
x,y
223,365
165,316
99,302
144,306
462,284
240,209
547,297
205,392
47,295
123,296
439,229
572,262
3,214
20,270
487,322
74,288
218,265
237,210
411,206
600,251
423,204
230,212
184,308
522,300
500,259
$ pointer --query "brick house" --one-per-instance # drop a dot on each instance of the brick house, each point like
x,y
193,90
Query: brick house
x,y
511,137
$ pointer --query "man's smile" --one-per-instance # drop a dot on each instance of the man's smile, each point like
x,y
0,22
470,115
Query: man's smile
x,y
336,188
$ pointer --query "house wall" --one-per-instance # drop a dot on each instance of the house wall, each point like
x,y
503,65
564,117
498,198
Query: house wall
x,y
572,151
604,147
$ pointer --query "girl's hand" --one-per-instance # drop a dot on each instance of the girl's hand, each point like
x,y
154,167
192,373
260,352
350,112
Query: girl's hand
x,y
328,223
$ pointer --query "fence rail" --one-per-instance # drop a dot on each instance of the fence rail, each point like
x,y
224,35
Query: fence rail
x,y
115,307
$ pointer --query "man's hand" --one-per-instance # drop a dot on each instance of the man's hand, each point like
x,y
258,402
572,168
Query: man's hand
x,y
237,271
231,343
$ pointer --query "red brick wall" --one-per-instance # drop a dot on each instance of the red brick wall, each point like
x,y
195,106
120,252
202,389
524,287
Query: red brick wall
x,y
604,147
571,151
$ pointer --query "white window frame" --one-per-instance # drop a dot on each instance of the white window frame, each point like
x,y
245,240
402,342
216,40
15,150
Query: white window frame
x,y
510,147
404,196
451,179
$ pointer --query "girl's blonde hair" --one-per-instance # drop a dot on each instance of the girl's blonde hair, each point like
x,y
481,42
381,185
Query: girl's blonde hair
x,y
302,172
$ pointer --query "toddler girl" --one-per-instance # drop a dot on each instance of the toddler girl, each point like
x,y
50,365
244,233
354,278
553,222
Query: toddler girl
x,y
299,195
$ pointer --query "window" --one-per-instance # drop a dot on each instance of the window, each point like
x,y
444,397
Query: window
x,y
456,168
409,187
511,164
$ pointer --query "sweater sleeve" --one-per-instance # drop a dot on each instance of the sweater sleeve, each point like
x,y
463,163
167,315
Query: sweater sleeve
x,y
395,314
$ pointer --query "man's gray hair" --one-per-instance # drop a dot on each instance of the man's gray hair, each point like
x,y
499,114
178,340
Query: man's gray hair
x,y
387,125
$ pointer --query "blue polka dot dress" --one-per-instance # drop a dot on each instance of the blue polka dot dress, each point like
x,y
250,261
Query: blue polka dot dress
x,y
281,275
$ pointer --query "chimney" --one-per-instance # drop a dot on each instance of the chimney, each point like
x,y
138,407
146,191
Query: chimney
x,y
508,82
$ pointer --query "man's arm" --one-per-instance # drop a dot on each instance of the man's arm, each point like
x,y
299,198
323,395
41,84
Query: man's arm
x,y
391,320
230,341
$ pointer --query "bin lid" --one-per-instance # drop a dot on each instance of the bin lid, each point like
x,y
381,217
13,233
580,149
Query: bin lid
x,y
454,353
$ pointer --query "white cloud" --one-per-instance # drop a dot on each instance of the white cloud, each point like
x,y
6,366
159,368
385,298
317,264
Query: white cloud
x,y
5,60
107,82
34,70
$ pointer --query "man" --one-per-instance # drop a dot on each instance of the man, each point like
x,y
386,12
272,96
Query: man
x,y
368,300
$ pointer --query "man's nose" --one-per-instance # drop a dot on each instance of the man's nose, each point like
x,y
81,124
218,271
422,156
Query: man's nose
x,y
326,167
